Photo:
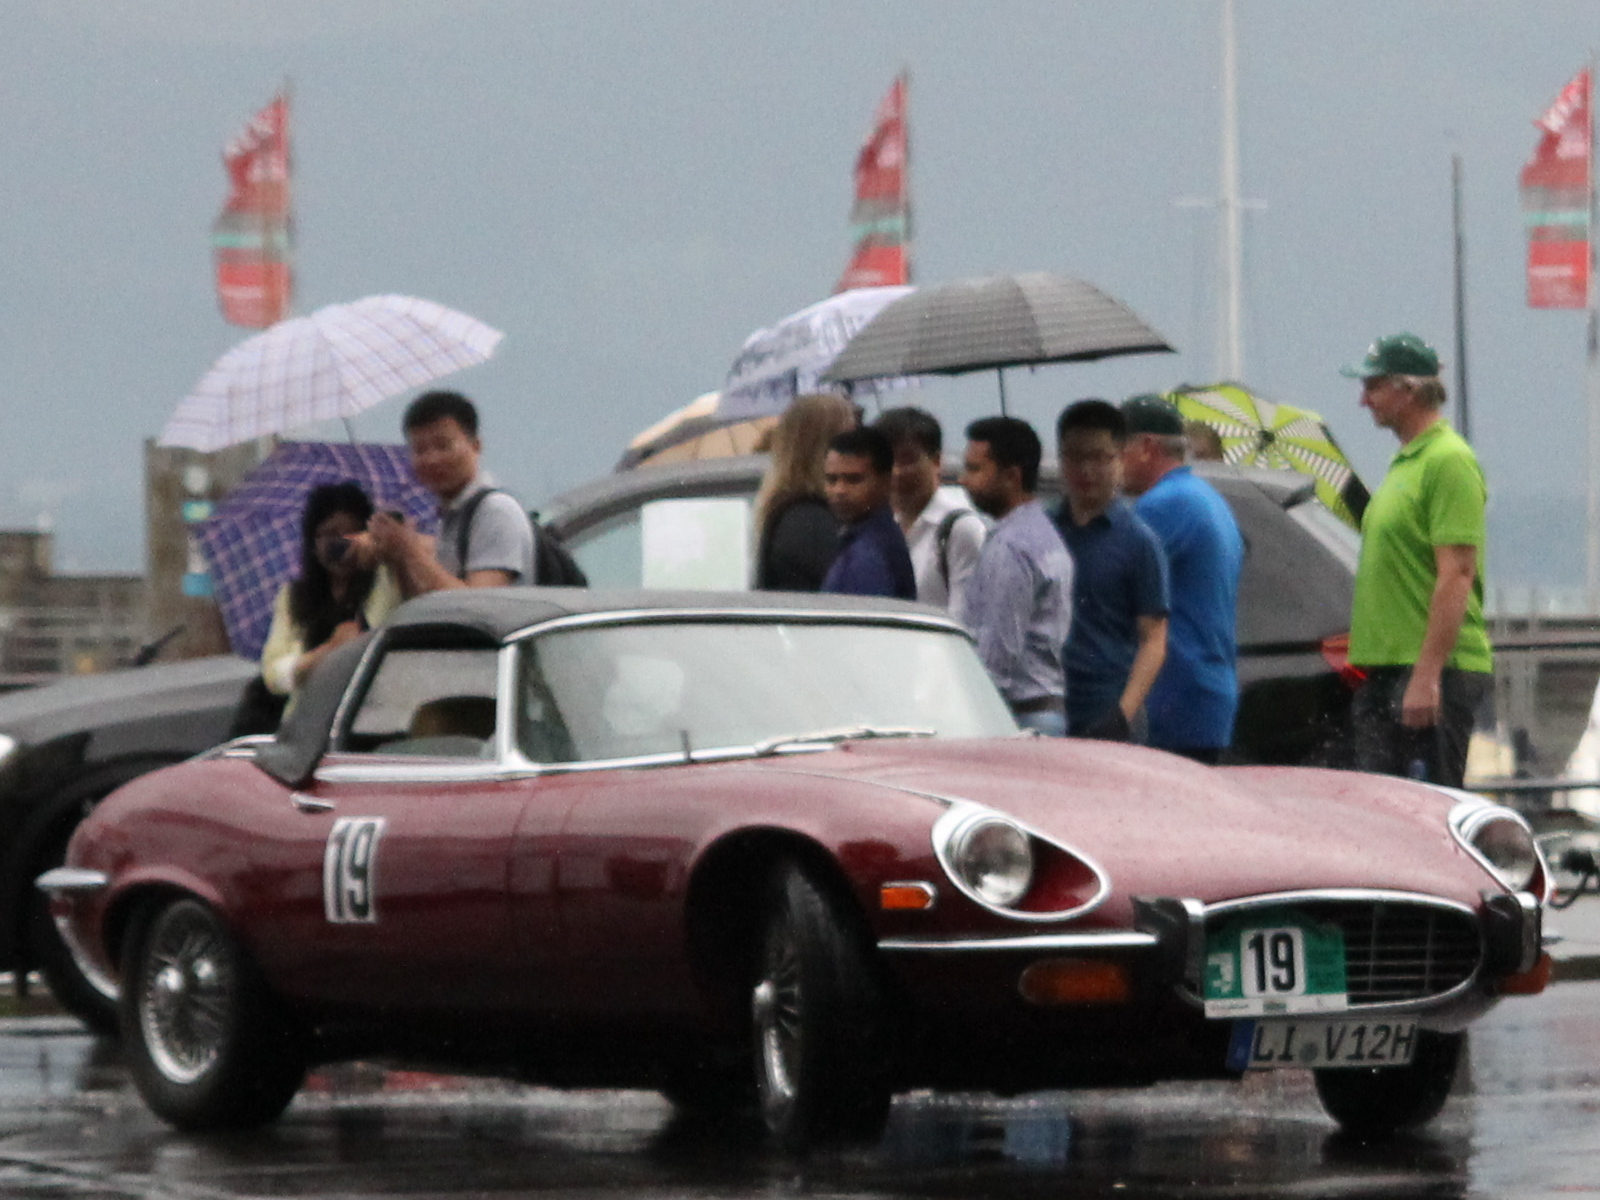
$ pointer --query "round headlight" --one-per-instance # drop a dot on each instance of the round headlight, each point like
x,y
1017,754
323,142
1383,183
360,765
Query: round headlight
x,y
1509,849
994,858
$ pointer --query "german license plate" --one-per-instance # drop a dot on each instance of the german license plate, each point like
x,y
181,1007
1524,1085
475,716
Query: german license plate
x,y
1274,1045
1277,963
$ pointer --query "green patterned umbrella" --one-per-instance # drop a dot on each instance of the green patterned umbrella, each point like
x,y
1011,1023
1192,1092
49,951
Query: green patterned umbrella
x,y
1261,433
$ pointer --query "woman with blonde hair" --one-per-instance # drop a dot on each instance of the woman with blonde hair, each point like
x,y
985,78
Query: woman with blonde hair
x,y
798,535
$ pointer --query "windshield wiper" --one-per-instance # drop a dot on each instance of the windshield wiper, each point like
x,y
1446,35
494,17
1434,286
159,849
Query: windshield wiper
x,y
844,733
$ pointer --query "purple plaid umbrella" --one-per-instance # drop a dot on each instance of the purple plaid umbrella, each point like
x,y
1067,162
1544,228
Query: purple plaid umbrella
x,y
252,542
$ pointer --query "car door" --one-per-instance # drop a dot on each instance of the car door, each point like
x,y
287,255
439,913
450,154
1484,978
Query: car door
x,y
628,827
412,817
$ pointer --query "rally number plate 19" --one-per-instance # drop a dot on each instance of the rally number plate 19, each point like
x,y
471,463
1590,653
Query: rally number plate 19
x,y
1276,963
1320,1044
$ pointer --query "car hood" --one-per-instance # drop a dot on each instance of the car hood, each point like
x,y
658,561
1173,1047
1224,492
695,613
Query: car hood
x,y
1163,825
87,702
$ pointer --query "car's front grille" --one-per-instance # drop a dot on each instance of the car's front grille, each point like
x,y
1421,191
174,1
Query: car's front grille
x,y
1397,951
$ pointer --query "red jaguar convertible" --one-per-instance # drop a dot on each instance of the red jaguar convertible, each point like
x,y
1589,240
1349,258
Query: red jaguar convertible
x,y
783,853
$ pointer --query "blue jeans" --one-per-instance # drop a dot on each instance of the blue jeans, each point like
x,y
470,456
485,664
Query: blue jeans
x,y
1052,722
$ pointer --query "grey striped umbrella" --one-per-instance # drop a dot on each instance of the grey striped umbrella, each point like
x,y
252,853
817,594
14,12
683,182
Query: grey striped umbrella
x,y
993,323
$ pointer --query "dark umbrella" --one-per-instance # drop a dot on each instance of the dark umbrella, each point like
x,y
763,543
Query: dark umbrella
x,y
252,542
997,322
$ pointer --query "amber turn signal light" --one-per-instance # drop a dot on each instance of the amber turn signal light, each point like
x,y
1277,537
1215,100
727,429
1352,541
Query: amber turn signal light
x,y
902,896
1075,981
1526,983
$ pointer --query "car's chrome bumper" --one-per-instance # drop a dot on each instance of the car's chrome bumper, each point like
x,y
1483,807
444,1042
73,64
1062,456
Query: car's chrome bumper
x,y
67,883
1166,950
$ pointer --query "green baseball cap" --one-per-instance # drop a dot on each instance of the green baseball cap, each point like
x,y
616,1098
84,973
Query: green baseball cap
x,y
1397,354
1150,413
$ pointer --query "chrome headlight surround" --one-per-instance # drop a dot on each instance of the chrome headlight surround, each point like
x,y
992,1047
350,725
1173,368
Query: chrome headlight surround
x,y
1502,842
990,857
965,828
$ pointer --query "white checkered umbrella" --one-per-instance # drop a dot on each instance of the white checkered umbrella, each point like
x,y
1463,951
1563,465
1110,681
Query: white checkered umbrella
x,y
339,361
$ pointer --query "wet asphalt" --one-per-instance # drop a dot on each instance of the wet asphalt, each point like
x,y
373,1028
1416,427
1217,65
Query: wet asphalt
x,y
1525,1122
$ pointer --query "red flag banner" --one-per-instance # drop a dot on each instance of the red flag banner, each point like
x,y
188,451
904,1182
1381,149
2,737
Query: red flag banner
x,y
1556,185
880,220
250,240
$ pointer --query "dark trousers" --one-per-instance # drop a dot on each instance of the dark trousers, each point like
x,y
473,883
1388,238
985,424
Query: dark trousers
x,y
1438,753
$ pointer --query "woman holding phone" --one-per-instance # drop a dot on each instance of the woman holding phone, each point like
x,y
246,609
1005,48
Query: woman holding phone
x,y
334,599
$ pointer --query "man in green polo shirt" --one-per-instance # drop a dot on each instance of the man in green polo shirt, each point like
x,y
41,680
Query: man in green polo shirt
x,y
1417,627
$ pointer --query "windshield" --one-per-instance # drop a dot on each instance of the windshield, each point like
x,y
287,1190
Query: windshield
x,y
621,691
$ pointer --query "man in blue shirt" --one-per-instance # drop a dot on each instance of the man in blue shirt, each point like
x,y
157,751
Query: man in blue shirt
x,y
873,559
1119,593
1196,695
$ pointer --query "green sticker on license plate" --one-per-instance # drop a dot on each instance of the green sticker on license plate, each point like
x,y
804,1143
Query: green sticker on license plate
x,y
1274,962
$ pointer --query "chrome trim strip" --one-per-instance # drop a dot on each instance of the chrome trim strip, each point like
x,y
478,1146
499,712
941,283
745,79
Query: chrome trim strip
x,y
1115,939
310,804
1271,899
436,770
61,880
358,684
239,747
962,812
657,616
97,979
505,734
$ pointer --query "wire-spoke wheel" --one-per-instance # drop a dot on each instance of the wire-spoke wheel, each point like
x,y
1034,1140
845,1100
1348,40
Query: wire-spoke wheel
x,y
186,984
208,1045
817,1015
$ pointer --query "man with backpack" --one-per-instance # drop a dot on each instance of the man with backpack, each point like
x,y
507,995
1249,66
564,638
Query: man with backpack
x,y
943,532
485,538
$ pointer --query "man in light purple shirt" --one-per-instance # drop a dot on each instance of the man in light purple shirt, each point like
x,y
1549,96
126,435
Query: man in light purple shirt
x,y
1019,596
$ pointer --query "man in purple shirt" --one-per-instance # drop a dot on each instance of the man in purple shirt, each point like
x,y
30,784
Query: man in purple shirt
x,y
873,559
1019,596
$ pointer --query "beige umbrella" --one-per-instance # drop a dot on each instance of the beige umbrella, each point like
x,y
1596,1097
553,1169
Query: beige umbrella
x,y
696,431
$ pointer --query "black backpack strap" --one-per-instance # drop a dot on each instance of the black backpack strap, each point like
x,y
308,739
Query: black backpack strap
x,y
942,540
464,534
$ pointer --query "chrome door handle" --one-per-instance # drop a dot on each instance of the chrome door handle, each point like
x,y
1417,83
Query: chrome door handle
x,y
307,803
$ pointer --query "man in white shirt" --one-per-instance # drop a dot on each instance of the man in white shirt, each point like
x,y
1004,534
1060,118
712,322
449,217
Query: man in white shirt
x,y
943,532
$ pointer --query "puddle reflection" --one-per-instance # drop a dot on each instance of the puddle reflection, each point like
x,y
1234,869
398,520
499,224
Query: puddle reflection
x,y
1523,1122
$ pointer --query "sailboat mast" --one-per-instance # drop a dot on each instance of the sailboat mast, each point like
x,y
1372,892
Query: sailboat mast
x,y
1230,354
1463,409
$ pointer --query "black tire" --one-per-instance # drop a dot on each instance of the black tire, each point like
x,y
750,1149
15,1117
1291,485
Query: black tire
x,y
821,1058
206,1042
1384,1101
92,1002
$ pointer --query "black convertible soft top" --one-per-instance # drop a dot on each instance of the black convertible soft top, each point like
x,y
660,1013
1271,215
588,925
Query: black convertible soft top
x,y
488,616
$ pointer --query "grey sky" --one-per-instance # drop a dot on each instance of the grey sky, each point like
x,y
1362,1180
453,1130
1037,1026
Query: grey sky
x,y
627,189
